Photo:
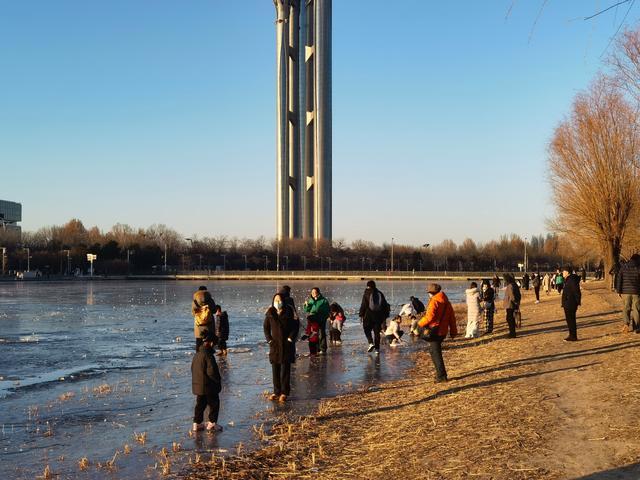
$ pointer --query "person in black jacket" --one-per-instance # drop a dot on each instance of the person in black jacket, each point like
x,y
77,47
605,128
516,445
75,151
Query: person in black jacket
x,y
281,332
571,298
222,330
206,385
628,287
418,306
374,310
536,281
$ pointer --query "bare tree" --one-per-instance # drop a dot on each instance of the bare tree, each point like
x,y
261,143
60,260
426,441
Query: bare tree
x,y
593,169
626,63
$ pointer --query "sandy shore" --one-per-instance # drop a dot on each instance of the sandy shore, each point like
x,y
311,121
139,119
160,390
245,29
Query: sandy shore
x,y
534,407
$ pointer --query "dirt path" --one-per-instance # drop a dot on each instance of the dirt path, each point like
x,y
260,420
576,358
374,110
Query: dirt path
x,y
534,407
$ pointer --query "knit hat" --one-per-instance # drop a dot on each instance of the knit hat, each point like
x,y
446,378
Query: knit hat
x,y
434,288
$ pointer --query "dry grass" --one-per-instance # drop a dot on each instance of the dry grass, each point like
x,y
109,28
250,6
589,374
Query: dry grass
x,y
141,438
505,415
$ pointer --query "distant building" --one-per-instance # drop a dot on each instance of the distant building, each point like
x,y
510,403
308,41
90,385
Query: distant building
x,y
10,215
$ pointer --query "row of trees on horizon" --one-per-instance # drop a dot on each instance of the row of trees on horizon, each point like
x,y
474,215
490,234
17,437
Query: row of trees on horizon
x,y
123,249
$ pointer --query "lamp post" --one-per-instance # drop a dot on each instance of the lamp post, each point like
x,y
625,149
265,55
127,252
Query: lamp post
x,y
286,262
526,260
304,262
91,257
129,253
329,258
392,254
28,258
266,263
4,259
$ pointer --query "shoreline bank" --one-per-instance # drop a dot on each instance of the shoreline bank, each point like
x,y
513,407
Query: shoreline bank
x,y
533,407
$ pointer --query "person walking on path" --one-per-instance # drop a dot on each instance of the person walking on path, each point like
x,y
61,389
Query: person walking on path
x,y
546,283
495,282
525,281
202,308
206,385
559,282
473,311
281,331
222,330
488,305
439,320
374,310
571,298
628,287
583,275
536,282
511,302
318,306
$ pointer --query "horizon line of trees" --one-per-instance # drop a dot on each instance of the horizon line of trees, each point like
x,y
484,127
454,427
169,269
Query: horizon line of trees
x,y
123,249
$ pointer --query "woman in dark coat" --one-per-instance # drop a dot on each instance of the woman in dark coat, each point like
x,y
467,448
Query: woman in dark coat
x,y
281,331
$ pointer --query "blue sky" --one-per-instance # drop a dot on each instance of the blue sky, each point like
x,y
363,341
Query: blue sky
x,y
154,111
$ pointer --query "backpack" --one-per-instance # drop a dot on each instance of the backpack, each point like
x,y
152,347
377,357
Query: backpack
x,y
375,306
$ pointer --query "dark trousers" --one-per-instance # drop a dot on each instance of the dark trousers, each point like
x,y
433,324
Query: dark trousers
x,y
222,344
323,335
511,321
335,335
281,378
313,348
570,317
559,287
537,290
435,350
370,326
202,401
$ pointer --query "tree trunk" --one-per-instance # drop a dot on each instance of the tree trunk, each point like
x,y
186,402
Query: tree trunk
x,y
612,260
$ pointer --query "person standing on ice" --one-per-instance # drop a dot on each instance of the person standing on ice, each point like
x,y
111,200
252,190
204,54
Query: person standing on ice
x,y
473,311
374,311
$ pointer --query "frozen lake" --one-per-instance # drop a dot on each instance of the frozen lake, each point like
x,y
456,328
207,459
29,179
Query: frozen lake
x,y
85,365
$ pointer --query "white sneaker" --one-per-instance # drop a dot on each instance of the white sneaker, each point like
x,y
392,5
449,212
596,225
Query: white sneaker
x,y
197,427
537,301
394,344
213,427
371,347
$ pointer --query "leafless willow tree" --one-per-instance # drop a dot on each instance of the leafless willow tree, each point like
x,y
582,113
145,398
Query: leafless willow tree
x,y
625,63
593,168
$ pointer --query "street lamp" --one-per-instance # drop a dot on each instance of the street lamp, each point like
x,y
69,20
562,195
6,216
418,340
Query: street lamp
x,y
392,254
4,257
129,253
286,262
266,263
304,262
526,260
28,258
329,258
91,257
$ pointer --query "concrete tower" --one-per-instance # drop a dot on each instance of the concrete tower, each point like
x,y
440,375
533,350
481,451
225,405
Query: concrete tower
x,y
303,119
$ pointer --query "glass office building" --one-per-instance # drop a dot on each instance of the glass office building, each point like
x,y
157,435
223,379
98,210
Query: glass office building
x,y
10,215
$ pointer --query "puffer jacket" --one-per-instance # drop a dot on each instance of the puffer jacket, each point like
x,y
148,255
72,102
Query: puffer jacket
x,y
440,314
628,279
205,376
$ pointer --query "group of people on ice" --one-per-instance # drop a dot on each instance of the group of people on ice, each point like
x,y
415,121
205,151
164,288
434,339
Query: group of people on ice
x,y
282,327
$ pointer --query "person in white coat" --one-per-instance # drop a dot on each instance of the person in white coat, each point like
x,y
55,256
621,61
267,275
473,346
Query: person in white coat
x,y
393,332
474,314
546,283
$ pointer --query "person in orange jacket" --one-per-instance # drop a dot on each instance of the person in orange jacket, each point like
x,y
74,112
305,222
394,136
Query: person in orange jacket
x,y
438,321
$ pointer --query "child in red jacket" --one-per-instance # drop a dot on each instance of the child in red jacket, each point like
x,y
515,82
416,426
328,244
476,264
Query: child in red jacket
x,y
312,334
